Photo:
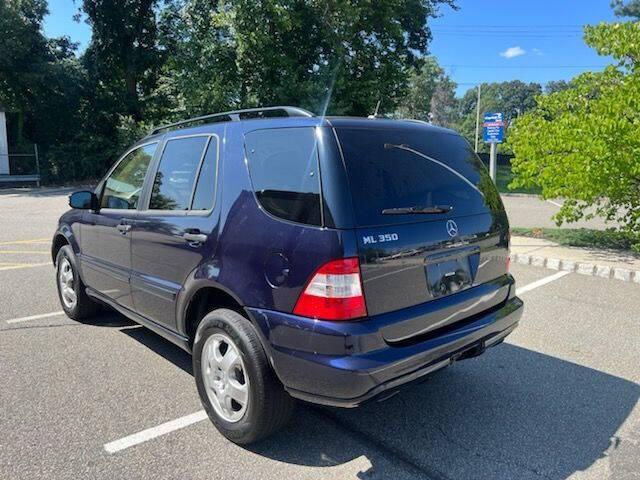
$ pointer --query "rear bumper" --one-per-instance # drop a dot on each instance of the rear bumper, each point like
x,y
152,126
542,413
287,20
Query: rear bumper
x,y
348,363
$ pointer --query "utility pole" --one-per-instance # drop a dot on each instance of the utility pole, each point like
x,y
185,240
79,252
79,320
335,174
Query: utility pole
x,y
478,116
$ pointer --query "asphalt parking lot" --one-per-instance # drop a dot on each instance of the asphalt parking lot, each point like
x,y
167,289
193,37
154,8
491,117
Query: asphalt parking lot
x,y
110,399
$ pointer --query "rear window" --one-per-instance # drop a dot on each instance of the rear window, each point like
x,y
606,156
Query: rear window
x,y
283,164
412,167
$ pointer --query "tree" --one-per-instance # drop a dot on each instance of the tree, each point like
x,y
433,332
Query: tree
x,y
40,78
630,8
23,51
555,86
430,95
444,105
583,143
123,54
328,56
160,59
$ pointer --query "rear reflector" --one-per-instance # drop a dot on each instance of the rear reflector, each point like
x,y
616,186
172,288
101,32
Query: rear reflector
x,y
334,292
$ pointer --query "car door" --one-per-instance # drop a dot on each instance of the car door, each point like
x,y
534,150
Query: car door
x,y
177,229
105,237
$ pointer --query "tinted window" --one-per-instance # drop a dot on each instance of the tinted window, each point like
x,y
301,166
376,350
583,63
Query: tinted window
x,y
413,167
176,174
123,187
206,184
284,171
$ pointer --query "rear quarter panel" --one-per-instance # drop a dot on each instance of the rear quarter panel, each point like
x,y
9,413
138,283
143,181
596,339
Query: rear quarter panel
x,y
263,261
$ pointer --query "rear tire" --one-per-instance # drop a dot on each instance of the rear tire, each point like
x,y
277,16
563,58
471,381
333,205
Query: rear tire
x,y
71,291
230,366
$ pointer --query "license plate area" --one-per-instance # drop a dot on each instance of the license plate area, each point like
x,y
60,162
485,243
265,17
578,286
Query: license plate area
x,y
448,273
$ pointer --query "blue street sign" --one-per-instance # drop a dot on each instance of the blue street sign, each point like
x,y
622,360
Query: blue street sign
x,y
493,128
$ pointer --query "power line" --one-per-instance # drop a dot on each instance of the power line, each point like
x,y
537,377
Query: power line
x,y
505,26
523,66
505,30
508,34
510,30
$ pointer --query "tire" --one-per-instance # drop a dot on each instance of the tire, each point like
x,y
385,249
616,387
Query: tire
x,y
83,307
268,406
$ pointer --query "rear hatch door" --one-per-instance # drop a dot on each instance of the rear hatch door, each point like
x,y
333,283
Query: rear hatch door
x,y
429,220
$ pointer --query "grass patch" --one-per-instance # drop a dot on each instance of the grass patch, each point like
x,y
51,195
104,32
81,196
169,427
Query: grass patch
x,y
504,178
583,237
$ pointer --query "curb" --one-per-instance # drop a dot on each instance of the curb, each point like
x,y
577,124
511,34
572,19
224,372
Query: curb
x,y
523,195
582,268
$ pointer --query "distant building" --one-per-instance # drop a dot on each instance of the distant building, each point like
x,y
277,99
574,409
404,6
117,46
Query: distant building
x,y
4,144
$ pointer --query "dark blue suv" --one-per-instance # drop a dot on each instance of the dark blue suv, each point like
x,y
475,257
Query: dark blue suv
x,y
331,260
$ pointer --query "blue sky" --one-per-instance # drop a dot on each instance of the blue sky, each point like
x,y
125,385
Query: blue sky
x,y
540,40
531,35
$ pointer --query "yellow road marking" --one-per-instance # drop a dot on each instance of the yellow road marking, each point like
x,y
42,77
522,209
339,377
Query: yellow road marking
x,y
24,265
33,240
38,252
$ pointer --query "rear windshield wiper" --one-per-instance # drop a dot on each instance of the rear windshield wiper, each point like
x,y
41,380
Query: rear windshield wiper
x,y
416,209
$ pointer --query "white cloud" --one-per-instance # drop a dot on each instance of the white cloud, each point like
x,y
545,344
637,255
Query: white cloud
x,y
513,52
537,51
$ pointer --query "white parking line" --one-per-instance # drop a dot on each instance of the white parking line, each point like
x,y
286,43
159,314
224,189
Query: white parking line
x,y
538,283
150,433
554,203
35,317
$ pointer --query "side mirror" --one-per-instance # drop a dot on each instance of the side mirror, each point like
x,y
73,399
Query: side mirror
x,y
84,200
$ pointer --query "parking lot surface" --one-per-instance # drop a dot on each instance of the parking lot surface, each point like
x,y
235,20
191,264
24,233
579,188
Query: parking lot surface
x,y
530,211
110,399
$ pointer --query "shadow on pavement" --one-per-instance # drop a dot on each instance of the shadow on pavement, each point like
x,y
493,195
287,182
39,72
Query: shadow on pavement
x,y
162,347
511,413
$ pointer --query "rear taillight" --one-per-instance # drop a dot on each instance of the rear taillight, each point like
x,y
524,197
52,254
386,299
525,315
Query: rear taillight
x,y
334,292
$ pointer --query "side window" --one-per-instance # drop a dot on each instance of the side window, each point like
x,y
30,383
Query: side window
x,y
283,164
176,173
205,193
123,187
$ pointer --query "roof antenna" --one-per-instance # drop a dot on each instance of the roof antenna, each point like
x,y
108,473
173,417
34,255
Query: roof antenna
x,y
375,114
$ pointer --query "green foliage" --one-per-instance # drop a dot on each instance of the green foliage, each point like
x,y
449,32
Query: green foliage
x,y
123,56
158,60
24,53
629,8
337,57
555,86
444,104
583,237
41,80
504,178
430,95
583,143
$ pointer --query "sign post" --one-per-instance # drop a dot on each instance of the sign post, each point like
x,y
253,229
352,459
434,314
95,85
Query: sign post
x,y
493,133
493,160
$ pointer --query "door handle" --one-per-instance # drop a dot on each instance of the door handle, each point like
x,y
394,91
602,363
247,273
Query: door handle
x,y
194,236
123,228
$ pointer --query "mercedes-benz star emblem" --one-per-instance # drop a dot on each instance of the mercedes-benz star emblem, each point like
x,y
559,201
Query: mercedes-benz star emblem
x,y
452,228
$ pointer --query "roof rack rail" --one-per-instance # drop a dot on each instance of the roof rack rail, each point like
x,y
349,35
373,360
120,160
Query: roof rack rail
x,y
415,120
236,115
